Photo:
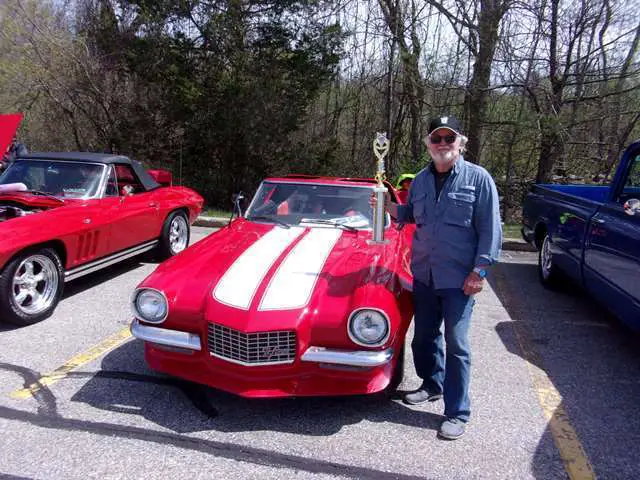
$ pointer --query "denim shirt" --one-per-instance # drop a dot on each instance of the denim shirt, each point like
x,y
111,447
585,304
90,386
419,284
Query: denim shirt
x,y
457,231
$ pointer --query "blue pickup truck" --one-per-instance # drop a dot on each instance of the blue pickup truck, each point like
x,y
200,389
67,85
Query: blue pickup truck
x,y
591,235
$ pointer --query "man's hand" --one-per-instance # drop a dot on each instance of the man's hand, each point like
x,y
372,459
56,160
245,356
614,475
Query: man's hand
x,y
473,284
373,202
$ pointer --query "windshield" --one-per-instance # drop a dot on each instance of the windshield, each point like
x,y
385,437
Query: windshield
x,y
59,178
302,203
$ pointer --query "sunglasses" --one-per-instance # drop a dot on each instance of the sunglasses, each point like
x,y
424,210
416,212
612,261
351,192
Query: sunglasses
x,y
435,139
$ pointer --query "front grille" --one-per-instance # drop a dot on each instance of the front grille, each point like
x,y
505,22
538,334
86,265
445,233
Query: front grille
x,y
259,348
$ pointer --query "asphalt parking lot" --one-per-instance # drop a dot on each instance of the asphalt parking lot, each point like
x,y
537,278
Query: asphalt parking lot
x,y
555,390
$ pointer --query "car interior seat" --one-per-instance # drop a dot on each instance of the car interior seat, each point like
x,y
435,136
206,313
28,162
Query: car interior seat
x,y
126,178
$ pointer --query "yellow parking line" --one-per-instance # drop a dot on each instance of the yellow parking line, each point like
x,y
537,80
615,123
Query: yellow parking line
x,y
94,352
575,459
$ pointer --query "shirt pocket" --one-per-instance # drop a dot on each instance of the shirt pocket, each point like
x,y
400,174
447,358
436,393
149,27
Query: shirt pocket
x,y
420,208
460,210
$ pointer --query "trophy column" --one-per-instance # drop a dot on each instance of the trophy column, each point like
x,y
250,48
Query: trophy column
x,y
380,150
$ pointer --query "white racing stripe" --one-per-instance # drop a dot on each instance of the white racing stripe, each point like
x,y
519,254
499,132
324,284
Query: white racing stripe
x,y
295,279
239,284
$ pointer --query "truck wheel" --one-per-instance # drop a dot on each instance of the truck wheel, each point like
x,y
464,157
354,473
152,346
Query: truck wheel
x,y
31,286
175,235
550,275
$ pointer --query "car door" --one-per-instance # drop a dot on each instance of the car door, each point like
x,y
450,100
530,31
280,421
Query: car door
x,y
612,254
89,240
134,211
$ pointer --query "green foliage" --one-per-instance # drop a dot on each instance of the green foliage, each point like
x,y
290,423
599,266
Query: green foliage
x,y
224,91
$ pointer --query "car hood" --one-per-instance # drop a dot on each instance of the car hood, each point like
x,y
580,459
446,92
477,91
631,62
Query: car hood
x,y
254,277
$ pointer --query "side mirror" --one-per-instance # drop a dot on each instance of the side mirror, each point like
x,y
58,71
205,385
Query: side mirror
x,y
127,190
238,202
632,207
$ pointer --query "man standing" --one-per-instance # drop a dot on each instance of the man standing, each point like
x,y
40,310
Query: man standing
x,y
458,236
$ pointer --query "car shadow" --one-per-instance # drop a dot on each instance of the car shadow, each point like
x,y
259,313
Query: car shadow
x,y
588,357
91,280
188,407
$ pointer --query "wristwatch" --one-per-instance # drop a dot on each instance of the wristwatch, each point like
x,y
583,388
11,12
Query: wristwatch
x,y
480,271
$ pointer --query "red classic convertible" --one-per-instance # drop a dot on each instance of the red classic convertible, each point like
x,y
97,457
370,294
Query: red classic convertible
x,y
64,215
293,299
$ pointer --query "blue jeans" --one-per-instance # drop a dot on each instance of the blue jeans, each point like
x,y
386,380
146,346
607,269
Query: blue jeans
x,y
451,377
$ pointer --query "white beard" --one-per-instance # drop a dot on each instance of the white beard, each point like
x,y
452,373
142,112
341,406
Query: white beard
x,y
443,157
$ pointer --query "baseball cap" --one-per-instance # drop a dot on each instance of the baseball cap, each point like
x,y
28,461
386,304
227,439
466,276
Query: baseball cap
x,y
451,123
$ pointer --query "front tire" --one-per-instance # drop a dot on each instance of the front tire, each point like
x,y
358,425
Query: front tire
x,y
31,286
175,235
550,275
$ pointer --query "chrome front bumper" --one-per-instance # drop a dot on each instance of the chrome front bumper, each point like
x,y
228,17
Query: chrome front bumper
x,y
164,336
356,358
191,341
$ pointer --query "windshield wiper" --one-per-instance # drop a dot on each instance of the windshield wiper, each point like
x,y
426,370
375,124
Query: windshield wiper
x,y
44,194
325,221
270,219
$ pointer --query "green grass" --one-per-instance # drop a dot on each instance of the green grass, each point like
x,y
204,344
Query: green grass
x,y
511,230
214,212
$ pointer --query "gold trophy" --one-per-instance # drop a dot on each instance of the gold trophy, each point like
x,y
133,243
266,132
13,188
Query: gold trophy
x,y
380,150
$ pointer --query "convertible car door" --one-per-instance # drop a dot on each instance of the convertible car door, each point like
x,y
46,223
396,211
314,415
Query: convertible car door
x,y
134,213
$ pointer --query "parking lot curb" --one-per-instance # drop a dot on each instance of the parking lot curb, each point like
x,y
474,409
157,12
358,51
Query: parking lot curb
x,y
512,244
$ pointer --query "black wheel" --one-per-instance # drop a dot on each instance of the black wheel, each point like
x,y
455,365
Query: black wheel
x,y
175,235
550,275
31,286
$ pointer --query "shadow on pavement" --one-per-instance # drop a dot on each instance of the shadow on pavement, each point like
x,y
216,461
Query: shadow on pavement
x,y
189,407
91,280
589,357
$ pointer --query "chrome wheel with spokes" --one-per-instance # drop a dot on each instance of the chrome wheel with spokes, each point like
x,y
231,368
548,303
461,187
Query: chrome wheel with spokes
x,y
175,235
35,284
31,286
178,234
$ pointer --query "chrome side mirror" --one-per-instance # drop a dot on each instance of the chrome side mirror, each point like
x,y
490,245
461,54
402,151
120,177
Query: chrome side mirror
x,y
632,207
238,201
128,190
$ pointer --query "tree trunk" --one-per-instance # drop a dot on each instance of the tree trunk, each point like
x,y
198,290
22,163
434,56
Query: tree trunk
x,y
491,13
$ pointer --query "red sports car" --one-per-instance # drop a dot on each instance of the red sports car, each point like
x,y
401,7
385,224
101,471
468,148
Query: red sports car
x,y
64,215
293,299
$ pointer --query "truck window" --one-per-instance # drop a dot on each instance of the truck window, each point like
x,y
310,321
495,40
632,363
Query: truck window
x,y
632,185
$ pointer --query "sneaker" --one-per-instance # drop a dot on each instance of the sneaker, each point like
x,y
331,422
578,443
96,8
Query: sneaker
x,y
421,395
452,429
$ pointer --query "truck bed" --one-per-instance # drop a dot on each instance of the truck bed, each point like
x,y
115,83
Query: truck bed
x,y
593,193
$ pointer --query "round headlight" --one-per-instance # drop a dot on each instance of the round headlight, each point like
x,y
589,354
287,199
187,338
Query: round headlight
x,y
369,328
150,305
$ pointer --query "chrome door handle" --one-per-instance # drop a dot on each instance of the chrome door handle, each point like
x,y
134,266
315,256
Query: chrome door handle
x,y
153,204
598,220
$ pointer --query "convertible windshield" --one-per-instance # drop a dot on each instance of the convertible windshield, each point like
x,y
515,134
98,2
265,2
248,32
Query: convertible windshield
x,y
309,204
54,177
